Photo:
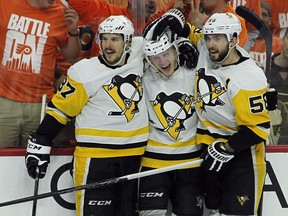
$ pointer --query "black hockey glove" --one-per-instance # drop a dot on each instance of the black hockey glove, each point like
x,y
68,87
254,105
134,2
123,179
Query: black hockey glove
x,y
37,155
215,157
188,54
172,23
271,98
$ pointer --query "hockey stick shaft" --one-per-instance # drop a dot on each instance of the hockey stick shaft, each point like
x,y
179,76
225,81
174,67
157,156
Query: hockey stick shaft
x,y
264,30
36,182
36,188
106,182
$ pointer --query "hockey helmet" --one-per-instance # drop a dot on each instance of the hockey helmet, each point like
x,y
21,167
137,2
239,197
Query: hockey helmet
x,y
117,25
223,23
152,47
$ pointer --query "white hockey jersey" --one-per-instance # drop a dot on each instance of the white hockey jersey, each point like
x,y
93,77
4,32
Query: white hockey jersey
x,y
172,116
229,97
109,105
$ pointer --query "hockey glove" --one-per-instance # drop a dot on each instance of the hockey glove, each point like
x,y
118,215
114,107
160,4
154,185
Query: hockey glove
x,y
37,155
271,97
172,23
188,54
215,157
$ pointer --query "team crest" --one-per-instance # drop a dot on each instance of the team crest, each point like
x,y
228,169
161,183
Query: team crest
x,y
126,92
172,111
208,91
242,199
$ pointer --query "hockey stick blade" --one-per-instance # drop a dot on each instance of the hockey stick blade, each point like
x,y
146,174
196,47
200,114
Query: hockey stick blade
x,y
264,30
104,183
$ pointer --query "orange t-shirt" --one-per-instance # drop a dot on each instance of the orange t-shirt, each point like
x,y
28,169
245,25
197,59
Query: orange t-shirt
x,y
279,15
258,51
254,5
119,3
243,37
28,41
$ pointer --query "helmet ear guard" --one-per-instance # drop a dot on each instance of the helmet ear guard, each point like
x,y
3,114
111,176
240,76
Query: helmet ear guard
x,y
223,23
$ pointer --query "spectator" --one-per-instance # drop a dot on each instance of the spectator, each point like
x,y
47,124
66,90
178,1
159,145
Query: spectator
x,y
105,94
254,5
172,133
205,8
32,31
258,51
279,81
279,11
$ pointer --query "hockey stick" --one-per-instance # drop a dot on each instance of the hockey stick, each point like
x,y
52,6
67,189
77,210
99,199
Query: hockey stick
x,y
265,32
105,183
36,188
36,183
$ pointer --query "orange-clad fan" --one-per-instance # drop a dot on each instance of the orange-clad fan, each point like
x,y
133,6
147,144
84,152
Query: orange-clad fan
x,y
279,14
254,5
258,51
31,33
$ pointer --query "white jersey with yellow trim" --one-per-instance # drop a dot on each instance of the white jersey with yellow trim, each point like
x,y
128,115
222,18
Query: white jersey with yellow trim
x,y
229,97
172,116
109,105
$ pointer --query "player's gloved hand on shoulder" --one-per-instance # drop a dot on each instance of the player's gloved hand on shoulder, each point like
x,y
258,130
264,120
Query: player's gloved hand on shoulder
x,y
216,156
188,54
172,22
37,155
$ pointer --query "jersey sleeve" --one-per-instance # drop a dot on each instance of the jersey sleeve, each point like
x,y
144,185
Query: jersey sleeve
x,y
252,118
68,101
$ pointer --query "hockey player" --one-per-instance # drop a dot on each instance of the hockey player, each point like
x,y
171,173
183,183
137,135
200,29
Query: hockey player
x,y
172,135
105,94
233,120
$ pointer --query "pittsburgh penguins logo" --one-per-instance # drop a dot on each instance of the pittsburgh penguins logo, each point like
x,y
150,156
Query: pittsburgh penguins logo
x,y
172,111
208,90
126,92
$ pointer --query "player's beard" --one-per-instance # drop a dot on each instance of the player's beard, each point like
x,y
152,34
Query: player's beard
x,y
221,56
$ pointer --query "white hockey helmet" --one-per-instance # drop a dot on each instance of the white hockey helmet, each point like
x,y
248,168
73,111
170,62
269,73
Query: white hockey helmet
x,y
116,25
152,47
223,23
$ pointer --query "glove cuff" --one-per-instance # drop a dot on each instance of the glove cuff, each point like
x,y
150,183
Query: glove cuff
x,y
35,148
219,152
38,144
